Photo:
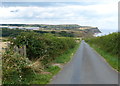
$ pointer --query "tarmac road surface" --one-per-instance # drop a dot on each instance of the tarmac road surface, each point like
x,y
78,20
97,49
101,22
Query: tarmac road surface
x,y
86,67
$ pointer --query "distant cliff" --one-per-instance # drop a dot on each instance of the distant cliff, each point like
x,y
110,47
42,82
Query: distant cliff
x,y
74,29
90,29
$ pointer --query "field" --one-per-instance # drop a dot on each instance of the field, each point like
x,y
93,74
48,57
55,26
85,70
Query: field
x,y
3,43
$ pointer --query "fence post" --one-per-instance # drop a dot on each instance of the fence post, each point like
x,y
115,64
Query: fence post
x,y
16,49
24,47
8,44
21,50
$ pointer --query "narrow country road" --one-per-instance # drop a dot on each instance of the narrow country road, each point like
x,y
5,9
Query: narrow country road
x,y
86,67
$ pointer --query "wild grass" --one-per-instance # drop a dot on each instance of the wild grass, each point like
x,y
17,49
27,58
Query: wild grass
x,y
22,70
111,59
53,70
66,56
108,47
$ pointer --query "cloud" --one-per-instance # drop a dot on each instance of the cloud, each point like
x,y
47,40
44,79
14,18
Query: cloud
x,y
58,12
58,0
100,14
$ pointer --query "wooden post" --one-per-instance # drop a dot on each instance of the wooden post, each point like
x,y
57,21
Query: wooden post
x,y
8,44
16,49
21,51
24,47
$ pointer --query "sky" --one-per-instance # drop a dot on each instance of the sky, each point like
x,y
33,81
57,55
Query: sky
x,y
99,13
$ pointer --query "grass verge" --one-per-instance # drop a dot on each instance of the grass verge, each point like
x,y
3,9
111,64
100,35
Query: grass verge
x,y
53,70
111,59
66,56
27,76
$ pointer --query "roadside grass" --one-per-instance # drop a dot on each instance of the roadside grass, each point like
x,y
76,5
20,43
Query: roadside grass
x,y
45,78
53,70
111,59
45,56
66,56
41,79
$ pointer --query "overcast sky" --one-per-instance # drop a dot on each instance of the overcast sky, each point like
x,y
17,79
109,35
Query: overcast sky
x,y
100,13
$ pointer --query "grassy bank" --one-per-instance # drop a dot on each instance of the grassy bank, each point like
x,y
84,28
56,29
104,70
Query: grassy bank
x,y
111,59
108,47
52,69
45,55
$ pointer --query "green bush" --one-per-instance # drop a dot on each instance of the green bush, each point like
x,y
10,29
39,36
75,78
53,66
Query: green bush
x,y
108,47
15,69
45,46
108,43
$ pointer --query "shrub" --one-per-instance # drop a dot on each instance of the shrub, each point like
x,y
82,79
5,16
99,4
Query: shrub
x,y
15,69
108,43
44,46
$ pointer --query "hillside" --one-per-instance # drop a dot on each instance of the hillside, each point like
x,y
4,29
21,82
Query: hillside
x,y
76,30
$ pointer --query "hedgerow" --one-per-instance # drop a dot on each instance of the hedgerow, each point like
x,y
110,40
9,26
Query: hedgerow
x,y
109,43
15,69
47,45
109,48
